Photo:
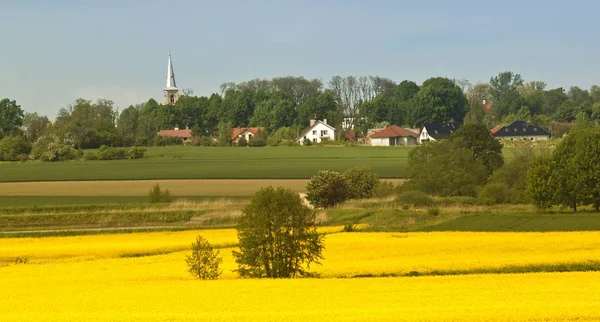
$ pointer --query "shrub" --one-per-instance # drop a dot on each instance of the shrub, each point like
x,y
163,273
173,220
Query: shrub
x,y
157,195
326,189
361,182
383,189
306,142
110,153
167,140
14,148
258,140
90,156
277,236
242,141
460,201
415,199
204,261
205,141
433,212
495,193
135,153
48,149
349,228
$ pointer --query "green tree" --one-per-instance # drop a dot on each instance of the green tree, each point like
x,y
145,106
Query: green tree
x,y
327,189
542,182
258,140
438,100
361,182
14,148
156,195
504,89
477,138
225,133
35,125
277,236
127,125
204,261
11,116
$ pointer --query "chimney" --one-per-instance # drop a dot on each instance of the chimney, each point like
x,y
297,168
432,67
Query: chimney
x,y
312,122
176,129
484,102
325,121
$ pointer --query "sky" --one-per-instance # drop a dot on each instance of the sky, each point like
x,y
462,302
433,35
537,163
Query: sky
x,y
55,51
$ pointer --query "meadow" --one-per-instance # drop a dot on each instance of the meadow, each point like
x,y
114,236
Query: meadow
x,y
142,277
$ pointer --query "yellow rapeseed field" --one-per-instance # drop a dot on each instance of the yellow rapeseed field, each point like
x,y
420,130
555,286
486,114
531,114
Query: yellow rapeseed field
x,y
86,278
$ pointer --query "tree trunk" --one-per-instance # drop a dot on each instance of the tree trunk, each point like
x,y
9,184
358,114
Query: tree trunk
x,y
575,206
597,205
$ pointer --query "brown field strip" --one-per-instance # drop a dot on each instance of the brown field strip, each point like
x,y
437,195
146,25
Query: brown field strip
x,y
141,187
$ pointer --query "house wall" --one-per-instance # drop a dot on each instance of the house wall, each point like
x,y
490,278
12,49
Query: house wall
x,y
425,136
380,141
316,133
399,141
527,138
245,134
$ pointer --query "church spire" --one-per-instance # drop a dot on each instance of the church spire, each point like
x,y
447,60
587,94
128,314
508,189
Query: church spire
x,y
170,75
171,93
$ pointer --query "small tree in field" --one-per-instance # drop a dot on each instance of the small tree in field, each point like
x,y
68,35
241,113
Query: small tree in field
x,y
277,236
156,195
361,182
204,261
327,189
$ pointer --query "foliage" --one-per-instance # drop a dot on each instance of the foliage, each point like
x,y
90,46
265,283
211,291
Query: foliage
x,y
35,125
156,195
48,149
445,169
110,153
225,132
14,148
415,199
204,261
327,189
383,189
542,182
135,153
277,236
258,140
167,141
11,116
438,100
509,183
485,148
205,141
361,182
242,141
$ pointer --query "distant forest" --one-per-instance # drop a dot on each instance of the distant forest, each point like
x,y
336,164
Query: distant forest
x,y
289,103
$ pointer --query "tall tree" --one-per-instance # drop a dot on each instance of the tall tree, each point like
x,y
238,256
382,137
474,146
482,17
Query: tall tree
x,y
504,89
35,125
11,116
438,100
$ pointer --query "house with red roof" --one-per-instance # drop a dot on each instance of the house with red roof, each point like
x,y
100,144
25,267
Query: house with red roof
x,y
247,132
393,136
185,135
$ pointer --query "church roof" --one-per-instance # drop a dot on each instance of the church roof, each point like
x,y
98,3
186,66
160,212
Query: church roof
x,y
170,75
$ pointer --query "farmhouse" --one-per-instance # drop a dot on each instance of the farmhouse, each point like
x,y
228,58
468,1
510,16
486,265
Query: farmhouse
x,y
393,136
438,131
245,132
185,135
520,130
317,132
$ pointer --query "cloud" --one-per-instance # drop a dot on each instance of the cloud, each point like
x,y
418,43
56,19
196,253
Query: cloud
x,y
122,97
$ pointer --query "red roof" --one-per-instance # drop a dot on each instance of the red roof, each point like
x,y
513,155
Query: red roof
x,y
236,131
350,136
176,133
488,107
496,129
393,132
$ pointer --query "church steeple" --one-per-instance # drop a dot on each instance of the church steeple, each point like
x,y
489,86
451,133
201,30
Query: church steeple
x,y
171,92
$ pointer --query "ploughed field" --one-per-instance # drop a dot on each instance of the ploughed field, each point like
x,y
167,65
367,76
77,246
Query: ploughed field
x,y
364,276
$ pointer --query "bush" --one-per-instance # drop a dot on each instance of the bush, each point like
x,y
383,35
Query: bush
x,y
109,153
361,182
90,156
461,201
495,193
135,153
242,141
326,189
306,142
48,149
204,261
277,236
204,141
260,139
157,195
415,199
433,212
167,140
14,148
383,189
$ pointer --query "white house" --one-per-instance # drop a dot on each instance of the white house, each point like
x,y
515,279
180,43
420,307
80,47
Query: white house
x,y
520,130
317,132
437,131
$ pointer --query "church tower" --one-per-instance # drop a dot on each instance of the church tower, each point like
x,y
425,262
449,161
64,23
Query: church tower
x,y
171,93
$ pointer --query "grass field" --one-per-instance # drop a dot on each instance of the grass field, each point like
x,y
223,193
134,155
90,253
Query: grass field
x,y
143,277
188,162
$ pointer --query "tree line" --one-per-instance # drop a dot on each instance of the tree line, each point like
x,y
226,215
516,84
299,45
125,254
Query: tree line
x,y
289,103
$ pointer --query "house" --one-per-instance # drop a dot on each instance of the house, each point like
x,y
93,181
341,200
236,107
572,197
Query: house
x,y
185,135
520,130
437,131
393,136
317,132
246,132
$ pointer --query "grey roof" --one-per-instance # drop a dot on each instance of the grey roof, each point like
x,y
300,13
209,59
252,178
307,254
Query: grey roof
x,y
441,131
521,128
170,76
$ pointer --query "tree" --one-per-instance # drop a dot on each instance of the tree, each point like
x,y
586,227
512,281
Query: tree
x,y
438,100
204,261
485,148
156,195
327,189
127,125
258,140
225,132
361,182
504,89
242,141
35,125
542,183
277,236
14,148
11,116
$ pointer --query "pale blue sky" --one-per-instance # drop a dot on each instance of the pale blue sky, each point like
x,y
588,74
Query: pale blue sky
x,y
54,51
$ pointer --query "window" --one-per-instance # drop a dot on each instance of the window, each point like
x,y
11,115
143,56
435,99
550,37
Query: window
x,y
535,129
516,129
524,129
314,132
505,130
324,133
315,140
172,99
